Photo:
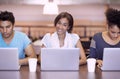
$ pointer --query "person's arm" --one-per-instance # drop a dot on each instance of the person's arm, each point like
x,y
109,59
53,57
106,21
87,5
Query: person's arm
x,y
30,53
99,63
82,53
39,57
44,43
93,53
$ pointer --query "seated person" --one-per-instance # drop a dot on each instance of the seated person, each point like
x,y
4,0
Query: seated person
x,y
63,38
12,38
106,39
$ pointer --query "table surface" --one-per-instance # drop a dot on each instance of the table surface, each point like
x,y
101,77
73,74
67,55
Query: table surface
x,y
24,73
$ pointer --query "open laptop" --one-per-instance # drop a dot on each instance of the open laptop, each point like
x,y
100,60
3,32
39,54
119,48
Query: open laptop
x,y
111,59
10,75
60,58
9,59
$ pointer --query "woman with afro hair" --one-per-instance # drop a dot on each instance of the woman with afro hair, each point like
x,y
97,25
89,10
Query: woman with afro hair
x,y
107,39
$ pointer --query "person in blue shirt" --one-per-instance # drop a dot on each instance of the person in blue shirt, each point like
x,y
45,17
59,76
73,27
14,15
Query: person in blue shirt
x,y
10,38
106,39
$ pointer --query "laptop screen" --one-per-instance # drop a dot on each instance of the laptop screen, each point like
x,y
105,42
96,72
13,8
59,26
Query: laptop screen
x,y
9,59
111,58
60,58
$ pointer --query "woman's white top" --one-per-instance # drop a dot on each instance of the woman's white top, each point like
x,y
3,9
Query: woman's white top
x,y
52,41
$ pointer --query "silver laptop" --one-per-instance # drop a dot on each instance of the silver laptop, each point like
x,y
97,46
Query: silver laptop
x,y
111,59
10,75
60,58
9,59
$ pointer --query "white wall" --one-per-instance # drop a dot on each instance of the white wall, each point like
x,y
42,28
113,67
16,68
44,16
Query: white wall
x,y
80,12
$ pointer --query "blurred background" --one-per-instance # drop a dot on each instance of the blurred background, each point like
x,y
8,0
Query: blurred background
x,y
33,19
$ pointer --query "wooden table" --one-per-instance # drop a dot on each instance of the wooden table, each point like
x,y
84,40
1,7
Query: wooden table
x,y
81,74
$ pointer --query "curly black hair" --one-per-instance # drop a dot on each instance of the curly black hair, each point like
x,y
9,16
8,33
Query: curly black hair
x,y
7,16
113,17
69,18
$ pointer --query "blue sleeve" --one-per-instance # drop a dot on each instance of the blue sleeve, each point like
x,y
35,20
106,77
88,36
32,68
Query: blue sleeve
x,y
27,41
97,46
93,53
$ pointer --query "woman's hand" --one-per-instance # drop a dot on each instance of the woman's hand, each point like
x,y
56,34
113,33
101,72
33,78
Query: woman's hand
x,y
99,63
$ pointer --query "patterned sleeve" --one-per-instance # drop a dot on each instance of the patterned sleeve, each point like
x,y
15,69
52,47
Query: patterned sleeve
x,y
93,53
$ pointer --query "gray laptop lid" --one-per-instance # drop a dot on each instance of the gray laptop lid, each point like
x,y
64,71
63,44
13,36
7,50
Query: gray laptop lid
x,y
9,59
60,58
111,59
